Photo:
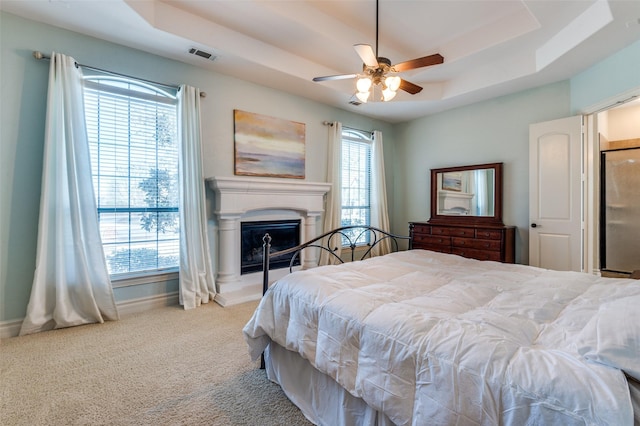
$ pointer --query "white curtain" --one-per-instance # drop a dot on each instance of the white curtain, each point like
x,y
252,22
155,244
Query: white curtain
x,y
379,209
481,193
71,284
333,201
196,274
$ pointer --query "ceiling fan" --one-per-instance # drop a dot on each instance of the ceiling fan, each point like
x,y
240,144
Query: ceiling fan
x,y
378,71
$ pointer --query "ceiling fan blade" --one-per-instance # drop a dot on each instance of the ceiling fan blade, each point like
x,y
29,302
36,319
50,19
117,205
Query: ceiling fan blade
x,y
409,87
419,62
335,77
366,54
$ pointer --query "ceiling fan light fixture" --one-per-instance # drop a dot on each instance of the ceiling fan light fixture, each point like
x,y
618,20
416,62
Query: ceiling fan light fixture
x,y
388,94
392,82
362,96
363,84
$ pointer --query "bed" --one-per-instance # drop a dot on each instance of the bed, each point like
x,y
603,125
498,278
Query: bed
x,y
416,337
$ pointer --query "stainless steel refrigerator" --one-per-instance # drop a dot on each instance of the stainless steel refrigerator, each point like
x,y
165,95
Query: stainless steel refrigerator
x,y
620,213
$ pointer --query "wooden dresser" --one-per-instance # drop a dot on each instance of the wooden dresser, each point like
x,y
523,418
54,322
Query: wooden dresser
x,y
482,242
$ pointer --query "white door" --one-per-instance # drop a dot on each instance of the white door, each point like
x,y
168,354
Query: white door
x,y
555,194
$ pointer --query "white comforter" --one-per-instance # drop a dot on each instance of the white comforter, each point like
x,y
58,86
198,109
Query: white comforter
x,y
429,338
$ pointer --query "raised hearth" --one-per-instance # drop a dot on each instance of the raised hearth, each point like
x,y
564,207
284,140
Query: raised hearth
x,y
240,199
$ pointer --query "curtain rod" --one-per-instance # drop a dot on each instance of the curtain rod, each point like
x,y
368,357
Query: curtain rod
x,y
330,124
39,55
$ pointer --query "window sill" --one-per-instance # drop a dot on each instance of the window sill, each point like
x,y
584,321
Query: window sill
x,y
129,280
363,246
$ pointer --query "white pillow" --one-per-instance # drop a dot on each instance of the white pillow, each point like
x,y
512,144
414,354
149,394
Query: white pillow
x,y
612,336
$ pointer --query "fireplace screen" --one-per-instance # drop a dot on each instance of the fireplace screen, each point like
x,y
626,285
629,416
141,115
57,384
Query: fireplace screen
x,y
284,234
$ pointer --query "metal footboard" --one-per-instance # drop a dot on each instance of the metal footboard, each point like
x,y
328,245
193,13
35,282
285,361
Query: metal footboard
x,y
357,236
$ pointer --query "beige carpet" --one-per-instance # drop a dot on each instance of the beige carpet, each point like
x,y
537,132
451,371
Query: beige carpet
x,y
163,367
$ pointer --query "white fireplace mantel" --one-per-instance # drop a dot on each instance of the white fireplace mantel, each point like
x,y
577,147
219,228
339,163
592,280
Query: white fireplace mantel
x,y
235,197
238,195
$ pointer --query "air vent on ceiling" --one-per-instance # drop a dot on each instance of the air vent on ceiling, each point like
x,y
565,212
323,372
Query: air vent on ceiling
x,y
202,54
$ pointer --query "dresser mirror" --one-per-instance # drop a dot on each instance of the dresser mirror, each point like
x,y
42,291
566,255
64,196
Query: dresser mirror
x,y
467,194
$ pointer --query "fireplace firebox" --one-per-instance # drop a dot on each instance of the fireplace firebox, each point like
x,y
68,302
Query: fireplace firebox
x,y
284,234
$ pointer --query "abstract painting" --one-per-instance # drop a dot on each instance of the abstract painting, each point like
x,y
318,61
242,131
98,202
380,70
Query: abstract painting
x,y
268,146
452,181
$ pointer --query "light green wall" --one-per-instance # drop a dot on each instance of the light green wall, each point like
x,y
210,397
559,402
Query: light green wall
x,y
488,132
22,117
498,131
607,79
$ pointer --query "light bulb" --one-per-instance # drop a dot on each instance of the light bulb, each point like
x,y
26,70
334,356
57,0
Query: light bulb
x,y
363,84
388,94
393,82
363,96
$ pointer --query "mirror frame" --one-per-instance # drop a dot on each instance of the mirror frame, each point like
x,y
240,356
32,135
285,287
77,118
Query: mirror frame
x,y
496,219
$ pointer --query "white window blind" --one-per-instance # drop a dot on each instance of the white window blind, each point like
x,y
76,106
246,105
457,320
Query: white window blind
x,y
134,153
356,179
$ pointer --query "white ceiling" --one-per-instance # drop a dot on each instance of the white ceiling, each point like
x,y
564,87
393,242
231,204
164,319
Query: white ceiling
x,y
491,47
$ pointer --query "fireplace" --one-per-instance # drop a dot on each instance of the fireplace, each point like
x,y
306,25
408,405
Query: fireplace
x,y
240,199
284,234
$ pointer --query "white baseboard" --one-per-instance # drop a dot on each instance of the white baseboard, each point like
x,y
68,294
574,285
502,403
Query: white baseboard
x,y
134,306
9,328
128,307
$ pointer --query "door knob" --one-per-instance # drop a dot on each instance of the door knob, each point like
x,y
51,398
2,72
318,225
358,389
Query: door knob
x,y
534,225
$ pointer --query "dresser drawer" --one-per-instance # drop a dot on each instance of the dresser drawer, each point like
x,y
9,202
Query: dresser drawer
x,y
489,234
493,245
458,232
477,254
419,228
433,240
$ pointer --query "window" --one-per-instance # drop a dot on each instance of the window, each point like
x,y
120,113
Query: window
x,y
356,180
134,158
